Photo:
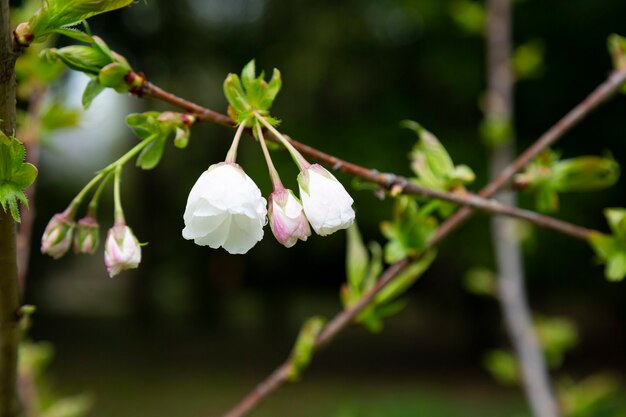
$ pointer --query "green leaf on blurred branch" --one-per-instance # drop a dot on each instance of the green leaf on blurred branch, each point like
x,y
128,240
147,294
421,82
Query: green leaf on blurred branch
x,y
304,348
480,281
503,366
547,176
409,230
469,15
15,175
611,249
528,60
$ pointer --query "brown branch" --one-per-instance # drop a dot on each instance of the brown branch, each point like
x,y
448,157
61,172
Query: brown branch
x,y
511,294
392,182
9,292
345,317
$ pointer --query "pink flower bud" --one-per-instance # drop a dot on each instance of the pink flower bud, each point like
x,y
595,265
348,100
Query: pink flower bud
x,y
122,250
87,236
57,238
287,219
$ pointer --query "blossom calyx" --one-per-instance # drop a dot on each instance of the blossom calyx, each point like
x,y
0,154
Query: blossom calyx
x,y
57,238
287,219
122,250
225,209
327,204
87,236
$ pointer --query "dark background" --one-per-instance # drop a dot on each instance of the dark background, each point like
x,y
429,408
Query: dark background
x,y
193,329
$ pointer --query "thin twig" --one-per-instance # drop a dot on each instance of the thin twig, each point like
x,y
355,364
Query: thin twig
x,y
9,291
392,182
509,261
345,317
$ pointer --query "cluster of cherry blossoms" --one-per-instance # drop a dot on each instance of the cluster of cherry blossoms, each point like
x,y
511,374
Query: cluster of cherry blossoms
x,y
226,209
121,249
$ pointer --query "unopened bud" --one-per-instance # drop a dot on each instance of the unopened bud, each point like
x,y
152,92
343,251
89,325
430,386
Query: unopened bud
x,y
114,76
57,238
122,250
87,236
287,219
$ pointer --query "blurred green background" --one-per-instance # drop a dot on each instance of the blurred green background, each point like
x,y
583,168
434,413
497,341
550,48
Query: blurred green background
x,y
194,329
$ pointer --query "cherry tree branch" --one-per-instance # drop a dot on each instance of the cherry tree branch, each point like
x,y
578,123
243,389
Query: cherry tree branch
x,y
394,183
511,293
344,318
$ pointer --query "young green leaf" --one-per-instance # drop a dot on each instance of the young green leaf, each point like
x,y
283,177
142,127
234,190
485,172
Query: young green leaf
x,y
357,259
93,90
304,348
15,175
405,279
151,155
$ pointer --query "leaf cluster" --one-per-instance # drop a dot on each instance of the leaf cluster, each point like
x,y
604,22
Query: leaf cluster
x,y
363,270
249,94
434,168
106,68
157,128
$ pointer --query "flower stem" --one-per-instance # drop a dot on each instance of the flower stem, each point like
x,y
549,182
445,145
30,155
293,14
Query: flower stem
x,y
93,204
276,182
119,212
297,156
231,156
73,207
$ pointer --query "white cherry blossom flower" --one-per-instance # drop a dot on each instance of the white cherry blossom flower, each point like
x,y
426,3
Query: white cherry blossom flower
x,y
327,204
225,209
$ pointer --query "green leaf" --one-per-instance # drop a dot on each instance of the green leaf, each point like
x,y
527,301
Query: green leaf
x,y
304,348
503,366
496,132
273,88
616,267
617,49
408,232
56,14
93,90
56,116
528,59
235,95
616,218
480,281
151,155
357,258
469,15
15,175
585,173
80,58
73,33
